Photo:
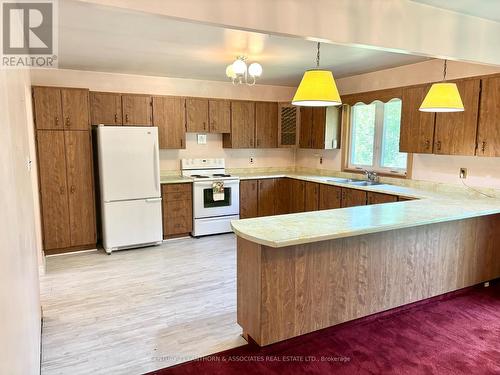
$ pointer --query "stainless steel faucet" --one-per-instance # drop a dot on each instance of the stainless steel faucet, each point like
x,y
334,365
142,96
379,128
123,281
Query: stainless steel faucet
x,y
371,175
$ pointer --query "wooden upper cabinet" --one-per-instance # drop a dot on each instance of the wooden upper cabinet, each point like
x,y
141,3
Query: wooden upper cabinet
x,y
197,115
353,197
316,123
48,108
318,128
106,108
456,132
288,124
242,126
488,136
266,197
417,128
53,189
306,123
75,107
248,198
266,124
80,182
137,110
311,200
169,117
377,198
219,113
330,197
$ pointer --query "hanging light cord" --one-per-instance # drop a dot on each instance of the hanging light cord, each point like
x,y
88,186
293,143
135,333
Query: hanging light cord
x,y
444,70
317,57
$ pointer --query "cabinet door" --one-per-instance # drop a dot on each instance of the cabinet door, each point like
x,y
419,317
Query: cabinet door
x,y
197,115
248,198
297,196
53,189
456,132
177,207
137,110
81,187
242,125
266,197
330,197
311,196
306,123
266,124
353,197
318,128
417,128
106,108
377,198
48,108
219,112
75,107
488,136
283,195
169,117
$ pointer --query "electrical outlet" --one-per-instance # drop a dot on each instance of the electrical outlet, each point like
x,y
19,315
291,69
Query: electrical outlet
x,y
251,160
463,173
321,159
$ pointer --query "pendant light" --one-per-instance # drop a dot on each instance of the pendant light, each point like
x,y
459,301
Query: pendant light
x,y
317,88
443,97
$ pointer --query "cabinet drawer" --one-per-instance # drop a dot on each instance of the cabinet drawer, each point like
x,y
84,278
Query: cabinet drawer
x,y
179,196
175,188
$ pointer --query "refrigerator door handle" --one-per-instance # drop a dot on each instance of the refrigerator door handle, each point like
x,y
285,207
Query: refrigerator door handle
x,y
155,161
153,199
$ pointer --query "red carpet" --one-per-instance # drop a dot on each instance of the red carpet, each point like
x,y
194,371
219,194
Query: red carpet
x,y
454,334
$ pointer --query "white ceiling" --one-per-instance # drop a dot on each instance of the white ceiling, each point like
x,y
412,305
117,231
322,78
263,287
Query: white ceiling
x,y
93,37
488,9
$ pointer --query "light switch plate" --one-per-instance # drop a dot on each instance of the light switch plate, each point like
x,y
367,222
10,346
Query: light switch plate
x,y
202,139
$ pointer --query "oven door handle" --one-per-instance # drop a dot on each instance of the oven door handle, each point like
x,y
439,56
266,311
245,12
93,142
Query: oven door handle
x,y
210,183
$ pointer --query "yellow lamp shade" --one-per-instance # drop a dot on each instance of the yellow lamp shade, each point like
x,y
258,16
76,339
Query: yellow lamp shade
x,y
442,97
317,89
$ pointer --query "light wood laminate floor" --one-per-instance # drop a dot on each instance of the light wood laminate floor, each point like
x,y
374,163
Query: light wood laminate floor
x,y
139,310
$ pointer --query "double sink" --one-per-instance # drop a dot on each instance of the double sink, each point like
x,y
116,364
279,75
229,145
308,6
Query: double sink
x,y
354,182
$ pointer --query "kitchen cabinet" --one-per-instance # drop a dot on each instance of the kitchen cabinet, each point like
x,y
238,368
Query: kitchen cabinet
x,y
320,127
456,132
169,117
266,197
353,197
248,198
311,196
377,198
288,124
137,110
61,108
219,113
106,108
177,204
488,132
296,195
242,126
417,128
266,125
197,115
66,189
330,197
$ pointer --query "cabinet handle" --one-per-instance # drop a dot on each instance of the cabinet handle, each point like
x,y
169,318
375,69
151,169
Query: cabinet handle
x,y
72,189
204,125
182,143
258,142
62,190
483,146
427,144
126,117
56,119
116,118
438,144
67,121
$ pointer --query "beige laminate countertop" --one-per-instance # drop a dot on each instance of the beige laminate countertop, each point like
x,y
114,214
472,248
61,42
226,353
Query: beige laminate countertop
x,y
174,179
293,229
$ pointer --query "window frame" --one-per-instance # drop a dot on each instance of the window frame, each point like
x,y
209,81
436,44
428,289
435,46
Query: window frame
x,y
378,143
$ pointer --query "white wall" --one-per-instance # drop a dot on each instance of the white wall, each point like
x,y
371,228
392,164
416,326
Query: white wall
x,y
19,247
481,171
169,159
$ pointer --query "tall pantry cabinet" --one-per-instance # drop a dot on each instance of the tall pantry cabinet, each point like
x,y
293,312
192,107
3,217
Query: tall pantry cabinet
x,y
65,168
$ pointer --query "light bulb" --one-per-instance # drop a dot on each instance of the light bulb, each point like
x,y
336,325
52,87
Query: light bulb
x,y
239,67
230,71
255,69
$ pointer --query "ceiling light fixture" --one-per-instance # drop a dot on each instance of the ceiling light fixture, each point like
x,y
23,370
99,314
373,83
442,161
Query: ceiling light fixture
x,y
317,88
443,97
239,73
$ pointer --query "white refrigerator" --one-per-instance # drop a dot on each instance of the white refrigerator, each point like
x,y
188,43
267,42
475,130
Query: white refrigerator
x,y
129,179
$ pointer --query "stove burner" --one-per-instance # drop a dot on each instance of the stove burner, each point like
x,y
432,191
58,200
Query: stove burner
x,y
198,176
221,175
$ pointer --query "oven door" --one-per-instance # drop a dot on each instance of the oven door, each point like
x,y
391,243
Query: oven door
x,y
204,204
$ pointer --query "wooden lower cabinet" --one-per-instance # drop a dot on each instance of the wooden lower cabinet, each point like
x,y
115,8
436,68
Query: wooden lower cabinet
x,y
266,197
248,198
177,203
296,195
353,197
311,194
330,197
66,181
377,198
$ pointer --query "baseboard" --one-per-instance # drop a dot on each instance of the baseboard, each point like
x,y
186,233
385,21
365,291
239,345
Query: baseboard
x,y
73,249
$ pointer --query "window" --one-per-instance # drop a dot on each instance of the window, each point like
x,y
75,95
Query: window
x,y
374,137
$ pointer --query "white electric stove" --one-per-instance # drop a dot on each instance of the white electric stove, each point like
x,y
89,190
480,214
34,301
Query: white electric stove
x,y
212,216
